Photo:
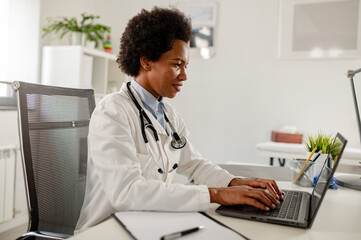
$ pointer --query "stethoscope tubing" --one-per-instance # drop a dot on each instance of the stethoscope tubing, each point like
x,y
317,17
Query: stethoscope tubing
x,y
177,142
143,115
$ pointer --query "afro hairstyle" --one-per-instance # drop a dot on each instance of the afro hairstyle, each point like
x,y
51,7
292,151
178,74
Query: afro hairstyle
x,y
150,34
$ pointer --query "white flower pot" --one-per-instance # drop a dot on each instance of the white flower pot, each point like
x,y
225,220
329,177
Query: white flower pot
x,y
78,38
90,44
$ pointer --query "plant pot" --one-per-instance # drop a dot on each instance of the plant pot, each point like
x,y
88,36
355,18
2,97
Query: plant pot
x,y
78,38
89,44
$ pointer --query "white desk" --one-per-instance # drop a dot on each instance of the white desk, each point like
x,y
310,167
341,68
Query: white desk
x,y
338,218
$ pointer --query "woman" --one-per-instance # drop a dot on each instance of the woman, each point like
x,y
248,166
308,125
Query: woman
x,y
127,168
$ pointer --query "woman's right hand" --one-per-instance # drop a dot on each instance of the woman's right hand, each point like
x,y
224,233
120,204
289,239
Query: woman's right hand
x,y
237,195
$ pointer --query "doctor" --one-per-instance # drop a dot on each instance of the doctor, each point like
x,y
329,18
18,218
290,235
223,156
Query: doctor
x,y
137,141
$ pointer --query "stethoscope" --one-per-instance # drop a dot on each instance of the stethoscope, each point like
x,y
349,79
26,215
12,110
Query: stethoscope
x,y
177,142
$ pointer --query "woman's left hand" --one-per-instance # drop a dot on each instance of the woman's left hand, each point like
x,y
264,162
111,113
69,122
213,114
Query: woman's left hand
x,y
268,184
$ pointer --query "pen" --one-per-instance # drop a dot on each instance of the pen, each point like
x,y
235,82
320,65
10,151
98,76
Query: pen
x,y
180,233
317,155
304,165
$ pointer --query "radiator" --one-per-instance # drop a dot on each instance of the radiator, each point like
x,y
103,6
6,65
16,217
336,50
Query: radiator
x,y
7,182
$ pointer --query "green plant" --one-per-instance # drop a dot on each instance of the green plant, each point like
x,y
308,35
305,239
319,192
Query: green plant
x,y
94,32
322,141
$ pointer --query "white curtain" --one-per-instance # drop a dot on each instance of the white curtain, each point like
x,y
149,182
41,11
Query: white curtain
x,y
19,40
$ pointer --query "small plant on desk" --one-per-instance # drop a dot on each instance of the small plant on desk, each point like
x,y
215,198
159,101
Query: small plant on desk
x,y
322,141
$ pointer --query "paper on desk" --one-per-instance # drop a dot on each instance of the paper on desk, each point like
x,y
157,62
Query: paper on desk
x,y
146,225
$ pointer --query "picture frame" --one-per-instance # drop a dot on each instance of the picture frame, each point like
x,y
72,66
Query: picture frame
x,y
202,13
204,19
319,29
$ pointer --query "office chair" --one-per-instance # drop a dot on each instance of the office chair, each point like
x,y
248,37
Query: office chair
x,y
53,129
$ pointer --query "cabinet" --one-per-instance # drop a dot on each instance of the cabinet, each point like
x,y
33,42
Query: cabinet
x,y
80,67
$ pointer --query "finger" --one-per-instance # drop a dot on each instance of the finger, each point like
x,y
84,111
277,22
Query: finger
x,y
253,202
262,197
271,186
272,197
275,186
272,191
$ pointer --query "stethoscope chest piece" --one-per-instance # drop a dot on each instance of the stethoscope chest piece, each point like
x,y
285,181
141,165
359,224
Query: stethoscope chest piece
x,y
180,143
177,142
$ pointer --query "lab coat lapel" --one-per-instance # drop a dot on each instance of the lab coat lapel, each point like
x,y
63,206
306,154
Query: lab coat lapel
x,y
156,124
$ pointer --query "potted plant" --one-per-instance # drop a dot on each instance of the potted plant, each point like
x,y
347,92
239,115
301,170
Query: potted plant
x,y
322,141
86,27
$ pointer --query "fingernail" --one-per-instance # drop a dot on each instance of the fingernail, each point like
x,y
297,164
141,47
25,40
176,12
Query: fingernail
x,y
273,206
278,202
267,208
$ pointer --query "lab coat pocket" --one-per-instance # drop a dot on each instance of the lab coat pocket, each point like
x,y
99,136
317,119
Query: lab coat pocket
x,y
147,165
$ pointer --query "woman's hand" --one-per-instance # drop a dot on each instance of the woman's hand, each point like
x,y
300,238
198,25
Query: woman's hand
x,y
236,195
268,184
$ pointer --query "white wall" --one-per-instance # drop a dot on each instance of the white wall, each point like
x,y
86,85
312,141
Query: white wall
x,y
245,92
234,100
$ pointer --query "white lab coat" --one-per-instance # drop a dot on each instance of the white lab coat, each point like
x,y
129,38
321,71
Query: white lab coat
x,y
122,174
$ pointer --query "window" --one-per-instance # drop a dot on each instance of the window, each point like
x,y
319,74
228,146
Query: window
x,y
7,96
320,29
19,46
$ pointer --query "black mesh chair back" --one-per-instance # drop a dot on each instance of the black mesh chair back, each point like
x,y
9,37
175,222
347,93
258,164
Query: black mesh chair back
x,y
53,126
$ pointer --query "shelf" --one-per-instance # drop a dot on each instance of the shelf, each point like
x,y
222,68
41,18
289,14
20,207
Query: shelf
x,y
98,53
81,67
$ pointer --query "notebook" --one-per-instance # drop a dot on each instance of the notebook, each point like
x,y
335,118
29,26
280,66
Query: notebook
x,y
299,208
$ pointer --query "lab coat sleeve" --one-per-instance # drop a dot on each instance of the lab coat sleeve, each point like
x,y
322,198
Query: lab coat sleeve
x,y
201,170
114,155
197,168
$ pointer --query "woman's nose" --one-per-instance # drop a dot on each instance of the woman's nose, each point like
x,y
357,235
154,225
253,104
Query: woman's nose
x,y
183,74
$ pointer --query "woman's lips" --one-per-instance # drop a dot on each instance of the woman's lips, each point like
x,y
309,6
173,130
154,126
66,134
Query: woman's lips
x,y
177,87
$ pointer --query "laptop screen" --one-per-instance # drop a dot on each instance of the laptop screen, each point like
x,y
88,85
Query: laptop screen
x,y
327,171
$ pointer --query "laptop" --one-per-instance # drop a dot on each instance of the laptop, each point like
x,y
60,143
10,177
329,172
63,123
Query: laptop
x,y
299,208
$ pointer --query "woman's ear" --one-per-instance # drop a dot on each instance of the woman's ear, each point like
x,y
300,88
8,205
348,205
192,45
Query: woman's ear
x,y
144,62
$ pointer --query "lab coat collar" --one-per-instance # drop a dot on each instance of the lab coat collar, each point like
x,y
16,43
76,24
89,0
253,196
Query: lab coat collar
x,y
148,98
155,122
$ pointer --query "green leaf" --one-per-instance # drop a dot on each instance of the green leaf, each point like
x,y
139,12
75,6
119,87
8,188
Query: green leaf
x,y
64,25
321,141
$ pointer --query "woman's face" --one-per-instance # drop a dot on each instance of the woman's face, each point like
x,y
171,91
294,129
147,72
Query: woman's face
x,y
165,76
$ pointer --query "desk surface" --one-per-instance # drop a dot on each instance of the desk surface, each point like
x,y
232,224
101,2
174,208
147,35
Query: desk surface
x,y
338,218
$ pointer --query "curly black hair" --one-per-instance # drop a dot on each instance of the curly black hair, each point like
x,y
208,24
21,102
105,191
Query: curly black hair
x,y
150,34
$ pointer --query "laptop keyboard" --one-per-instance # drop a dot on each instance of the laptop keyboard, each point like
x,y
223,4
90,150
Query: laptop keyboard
x,y
289,208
